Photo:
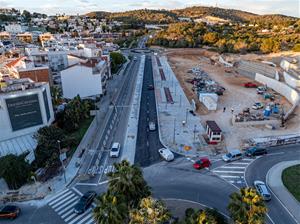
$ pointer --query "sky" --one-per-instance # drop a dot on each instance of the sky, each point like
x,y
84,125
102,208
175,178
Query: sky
x,y
51,7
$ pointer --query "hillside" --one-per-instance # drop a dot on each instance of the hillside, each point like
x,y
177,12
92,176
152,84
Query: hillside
x,y
170,16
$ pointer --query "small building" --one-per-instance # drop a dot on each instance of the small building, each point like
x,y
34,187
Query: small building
x,y
37,74
25,37
4,35
214,132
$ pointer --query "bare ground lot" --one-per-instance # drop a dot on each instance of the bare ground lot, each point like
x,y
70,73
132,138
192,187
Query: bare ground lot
x,y
235,96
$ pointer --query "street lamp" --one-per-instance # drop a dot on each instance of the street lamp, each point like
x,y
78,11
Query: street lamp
x,y
61,161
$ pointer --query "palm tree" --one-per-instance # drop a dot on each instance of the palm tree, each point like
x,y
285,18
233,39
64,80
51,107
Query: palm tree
x,y
247,207
150,211
110,210
127,180
56,95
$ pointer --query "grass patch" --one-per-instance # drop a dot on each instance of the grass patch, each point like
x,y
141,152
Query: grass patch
x,y
78,135
291,180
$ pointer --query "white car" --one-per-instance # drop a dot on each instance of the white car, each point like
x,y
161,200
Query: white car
x,y
152,126
166,154
258,106
262,189
115,150
232,156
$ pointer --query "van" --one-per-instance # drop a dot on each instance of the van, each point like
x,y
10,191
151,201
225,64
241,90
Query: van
x,y
166,154
262,189
232,156
254,151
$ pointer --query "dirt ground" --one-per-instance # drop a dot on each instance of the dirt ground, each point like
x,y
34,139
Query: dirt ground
x,y
235,97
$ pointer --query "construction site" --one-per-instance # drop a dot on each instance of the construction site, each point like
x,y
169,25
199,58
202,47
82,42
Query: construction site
x,y
249,96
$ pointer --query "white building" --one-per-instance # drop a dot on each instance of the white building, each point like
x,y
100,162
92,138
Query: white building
x,y
14,28
25,106
86,79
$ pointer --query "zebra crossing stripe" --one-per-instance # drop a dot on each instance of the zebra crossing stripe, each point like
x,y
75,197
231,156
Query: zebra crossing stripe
x,y
247,159
224,176
68,207
57,199
80,216
68,213
233,167
62,201
71,201
70,217
90,216
91,221
227,171
59,194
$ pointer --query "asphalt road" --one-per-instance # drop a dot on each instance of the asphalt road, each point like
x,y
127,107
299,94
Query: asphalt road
x,y
148,141
258,171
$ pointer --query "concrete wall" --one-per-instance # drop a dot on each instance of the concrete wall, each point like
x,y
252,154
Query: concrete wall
x,y
255,123
79,80
225,63
291,80
288,92
284,64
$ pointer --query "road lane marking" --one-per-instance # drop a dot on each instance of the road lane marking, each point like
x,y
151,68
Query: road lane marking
x,y
67,208
227,171
59,194
225,176
57,199
80,216
90,216
233,167
62,201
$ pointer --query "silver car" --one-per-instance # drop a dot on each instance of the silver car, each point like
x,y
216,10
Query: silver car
x,y
262,189
232,156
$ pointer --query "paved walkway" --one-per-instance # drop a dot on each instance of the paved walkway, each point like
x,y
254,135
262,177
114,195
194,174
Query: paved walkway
x,y
179,129
274,181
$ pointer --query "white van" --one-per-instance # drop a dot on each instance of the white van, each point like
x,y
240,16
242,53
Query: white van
x,y
166,154
232,155
115,150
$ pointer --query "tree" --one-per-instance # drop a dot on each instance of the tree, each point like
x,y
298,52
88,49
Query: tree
x,y
15,170
296,48
110,209
127,180
270,45
210,38
27,16
56,95
150,211
207,216
117,59
247,207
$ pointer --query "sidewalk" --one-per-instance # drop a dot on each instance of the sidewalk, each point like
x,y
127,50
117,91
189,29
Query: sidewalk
x,y
89,142
173,110
274,181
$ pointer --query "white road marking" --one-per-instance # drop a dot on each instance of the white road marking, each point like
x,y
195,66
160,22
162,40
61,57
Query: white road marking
x,y
80,216
62,201
233,167
59,194
58,199
225,176
227,171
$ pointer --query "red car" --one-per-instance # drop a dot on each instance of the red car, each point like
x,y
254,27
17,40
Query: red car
x,y
202,163
9,212
250,85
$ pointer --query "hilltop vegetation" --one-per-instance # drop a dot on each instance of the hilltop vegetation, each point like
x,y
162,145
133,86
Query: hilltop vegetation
x,y
146,16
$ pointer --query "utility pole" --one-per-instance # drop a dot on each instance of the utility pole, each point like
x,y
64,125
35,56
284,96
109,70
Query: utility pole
x,y
174,130
195,132
186,114
61,161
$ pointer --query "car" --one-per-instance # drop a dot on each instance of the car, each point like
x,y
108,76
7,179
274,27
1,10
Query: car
x,y
255,151
257,106
152,126
261,90
115,150
150,87
166,154
84,202
202,163
262,189
10,212
232,155
250,85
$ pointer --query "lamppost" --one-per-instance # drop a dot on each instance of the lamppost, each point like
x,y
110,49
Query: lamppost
x,y
61,161
186,114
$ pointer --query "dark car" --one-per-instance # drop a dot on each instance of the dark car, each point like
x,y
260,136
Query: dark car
x,y
84,202
250,85
255,151
202,163
150,87
9,212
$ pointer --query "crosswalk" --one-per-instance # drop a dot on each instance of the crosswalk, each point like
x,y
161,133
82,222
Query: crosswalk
x,y
63,204
234,172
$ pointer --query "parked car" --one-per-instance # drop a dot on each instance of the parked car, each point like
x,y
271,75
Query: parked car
x,y
250,85
115,150
202,163
255,151
150,87
261,90
262,189
152,126
10,212
232,156
84,202
166,154
257,106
